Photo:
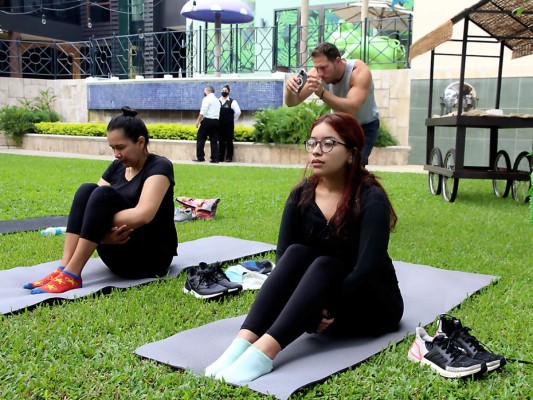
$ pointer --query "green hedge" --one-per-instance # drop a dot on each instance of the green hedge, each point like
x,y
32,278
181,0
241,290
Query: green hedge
x,y
157,131
292,124
289,125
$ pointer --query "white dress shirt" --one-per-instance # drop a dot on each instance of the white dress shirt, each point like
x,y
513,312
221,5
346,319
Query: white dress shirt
x,y
210,106
235,107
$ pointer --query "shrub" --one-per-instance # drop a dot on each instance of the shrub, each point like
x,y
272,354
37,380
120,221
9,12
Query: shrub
x,y
157,131
292,124
72,129
289,125
284,125
15,121
385,138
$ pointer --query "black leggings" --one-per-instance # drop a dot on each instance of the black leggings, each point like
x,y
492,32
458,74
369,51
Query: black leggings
x,y
291,300
91,217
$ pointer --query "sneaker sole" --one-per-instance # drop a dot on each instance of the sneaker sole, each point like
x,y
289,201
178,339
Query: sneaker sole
x,y
491,366
445,373
233,290
203,296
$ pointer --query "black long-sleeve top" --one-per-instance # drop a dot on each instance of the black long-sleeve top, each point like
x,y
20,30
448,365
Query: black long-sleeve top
x,y
364,247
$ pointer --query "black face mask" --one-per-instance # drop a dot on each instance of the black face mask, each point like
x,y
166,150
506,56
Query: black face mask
x,y
224,94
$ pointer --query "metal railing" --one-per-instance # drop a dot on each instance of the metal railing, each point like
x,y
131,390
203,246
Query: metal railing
x,y
189,53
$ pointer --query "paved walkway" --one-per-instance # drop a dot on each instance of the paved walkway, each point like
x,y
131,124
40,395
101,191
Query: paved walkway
x,y
381,168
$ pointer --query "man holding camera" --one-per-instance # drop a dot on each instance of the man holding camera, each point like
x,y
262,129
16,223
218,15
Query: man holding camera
x,y
344,85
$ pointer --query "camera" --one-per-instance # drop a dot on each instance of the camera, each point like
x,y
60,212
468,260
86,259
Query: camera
x,y
302,79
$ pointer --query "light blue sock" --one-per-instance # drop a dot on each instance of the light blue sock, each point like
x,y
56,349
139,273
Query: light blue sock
x,y
251,365
233,352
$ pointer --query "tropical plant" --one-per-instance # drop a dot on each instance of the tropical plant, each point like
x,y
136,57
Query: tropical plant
x,y
15,121
287,125
385,137
291,125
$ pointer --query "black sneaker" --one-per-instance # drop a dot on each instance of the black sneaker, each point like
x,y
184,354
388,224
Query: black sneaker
x,y
221,278
201,284
452,327
442,354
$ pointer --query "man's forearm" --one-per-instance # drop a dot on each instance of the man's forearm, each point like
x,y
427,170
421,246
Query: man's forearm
x,y
339,104
292,99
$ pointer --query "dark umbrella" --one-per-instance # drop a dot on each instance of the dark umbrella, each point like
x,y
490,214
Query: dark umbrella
x,y
219,12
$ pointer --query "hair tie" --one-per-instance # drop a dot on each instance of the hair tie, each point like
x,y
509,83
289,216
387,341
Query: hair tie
x,y
128,111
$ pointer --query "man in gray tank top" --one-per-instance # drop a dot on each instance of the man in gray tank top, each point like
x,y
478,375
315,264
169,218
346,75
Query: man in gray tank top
x,y
344,85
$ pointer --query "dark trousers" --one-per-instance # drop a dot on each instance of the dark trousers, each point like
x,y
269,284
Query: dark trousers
x,y
225,140
291,300
91,217
371,134
208,129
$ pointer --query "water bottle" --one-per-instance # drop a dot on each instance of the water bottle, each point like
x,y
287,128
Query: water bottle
x,y
54,230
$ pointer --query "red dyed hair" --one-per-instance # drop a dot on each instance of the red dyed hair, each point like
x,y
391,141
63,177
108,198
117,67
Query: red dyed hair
x,y
357,176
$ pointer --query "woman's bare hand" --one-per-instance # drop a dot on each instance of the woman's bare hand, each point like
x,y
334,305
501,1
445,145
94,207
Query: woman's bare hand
x,y
327,320
117,235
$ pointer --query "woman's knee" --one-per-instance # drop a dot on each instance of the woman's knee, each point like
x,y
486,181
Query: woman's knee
x,y
84,191
298,251
109,198
328,265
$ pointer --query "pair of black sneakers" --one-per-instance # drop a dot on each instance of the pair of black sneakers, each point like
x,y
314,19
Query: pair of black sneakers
x,y
209,282
453,352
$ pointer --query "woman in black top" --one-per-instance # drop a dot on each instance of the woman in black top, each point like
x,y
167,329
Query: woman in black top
x,y
333,273
128,217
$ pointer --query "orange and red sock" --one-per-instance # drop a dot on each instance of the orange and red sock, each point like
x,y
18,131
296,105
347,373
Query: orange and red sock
x,y
61,283
43,281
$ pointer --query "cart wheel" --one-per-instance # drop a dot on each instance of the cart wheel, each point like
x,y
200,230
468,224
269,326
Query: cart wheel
x,y
435,180
521,188
449,185
502,163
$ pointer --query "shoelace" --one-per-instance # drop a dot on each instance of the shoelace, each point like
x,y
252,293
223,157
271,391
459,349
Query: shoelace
x,y
219,274
206,276
472,340
476,343
447,343
481,346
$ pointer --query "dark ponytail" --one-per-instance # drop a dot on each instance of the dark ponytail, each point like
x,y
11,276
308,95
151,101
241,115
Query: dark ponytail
x,y
132,125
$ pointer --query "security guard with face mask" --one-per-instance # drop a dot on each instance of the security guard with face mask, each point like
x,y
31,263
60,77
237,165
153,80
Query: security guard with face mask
x,y
229,113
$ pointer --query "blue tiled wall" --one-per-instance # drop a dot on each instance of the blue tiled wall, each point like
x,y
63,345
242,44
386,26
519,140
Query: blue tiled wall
x,y
181,94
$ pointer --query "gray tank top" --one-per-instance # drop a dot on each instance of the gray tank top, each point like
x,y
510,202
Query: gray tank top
x,y
369,111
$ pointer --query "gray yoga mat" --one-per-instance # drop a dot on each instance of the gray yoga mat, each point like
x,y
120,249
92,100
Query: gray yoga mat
x,y
97,277
31,224
427,292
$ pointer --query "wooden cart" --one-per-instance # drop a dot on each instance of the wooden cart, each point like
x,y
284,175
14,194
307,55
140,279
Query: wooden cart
x,y
444,172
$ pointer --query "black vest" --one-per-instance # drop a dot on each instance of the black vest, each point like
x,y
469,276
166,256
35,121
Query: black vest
x,y
226,112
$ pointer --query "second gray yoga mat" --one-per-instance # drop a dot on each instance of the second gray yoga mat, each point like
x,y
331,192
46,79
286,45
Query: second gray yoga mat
x,y
31,224
96,276
427,292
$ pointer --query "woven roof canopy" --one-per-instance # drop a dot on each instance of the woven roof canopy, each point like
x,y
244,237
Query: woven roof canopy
x,y
497,18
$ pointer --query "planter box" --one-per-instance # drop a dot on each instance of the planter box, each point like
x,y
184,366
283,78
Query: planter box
x,y
5,141
185,150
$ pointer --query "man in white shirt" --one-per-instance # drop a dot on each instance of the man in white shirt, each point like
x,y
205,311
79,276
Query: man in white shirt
x,y
229,113
207,124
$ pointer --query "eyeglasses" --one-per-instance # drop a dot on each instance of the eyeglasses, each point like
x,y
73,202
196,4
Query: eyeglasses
x,y
326,145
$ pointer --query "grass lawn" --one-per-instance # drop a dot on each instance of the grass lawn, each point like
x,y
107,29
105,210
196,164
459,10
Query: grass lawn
x,y
84,348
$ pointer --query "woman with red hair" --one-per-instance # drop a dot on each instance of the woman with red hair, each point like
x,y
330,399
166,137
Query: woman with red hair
x,y
333,273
